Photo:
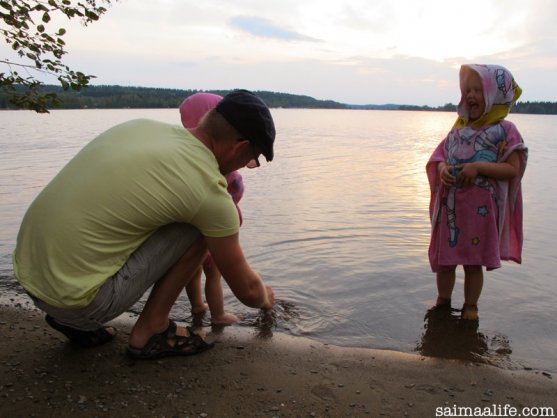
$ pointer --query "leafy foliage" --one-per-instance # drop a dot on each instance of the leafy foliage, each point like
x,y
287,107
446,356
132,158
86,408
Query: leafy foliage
x,y
25,27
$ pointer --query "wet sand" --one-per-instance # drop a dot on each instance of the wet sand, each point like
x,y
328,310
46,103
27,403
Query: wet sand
x,y
42,375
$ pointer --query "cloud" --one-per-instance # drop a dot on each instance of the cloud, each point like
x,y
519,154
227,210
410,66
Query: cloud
x,y
262,27
352,51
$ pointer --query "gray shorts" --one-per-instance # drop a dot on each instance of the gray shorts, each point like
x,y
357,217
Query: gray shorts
x,y
143,268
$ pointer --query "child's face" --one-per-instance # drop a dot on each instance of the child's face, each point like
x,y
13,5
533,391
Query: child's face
x,y
474,95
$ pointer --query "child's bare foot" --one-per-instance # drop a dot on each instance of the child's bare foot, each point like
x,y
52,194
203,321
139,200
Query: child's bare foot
x,y
199,308
441,304
225,319
469,312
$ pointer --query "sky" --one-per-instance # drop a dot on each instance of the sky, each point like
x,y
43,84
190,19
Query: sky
x,y
350,51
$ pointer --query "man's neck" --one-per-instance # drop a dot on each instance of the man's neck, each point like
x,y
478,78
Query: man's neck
x,y
202,136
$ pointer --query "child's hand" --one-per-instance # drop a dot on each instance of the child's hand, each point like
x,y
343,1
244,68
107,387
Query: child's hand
x,y
447,178
467,174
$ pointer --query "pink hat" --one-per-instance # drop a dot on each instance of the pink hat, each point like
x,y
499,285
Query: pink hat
x,y
194,107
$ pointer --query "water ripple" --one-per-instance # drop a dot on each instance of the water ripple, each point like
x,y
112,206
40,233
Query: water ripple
x,y
338,225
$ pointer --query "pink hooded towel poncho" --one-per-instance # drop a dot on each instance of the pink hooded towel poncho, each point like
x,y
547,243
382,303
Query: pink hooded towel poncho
x,y
480,224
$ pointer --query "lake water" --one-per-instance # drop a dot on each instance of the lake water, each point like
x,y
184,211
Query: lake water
x,y
338,225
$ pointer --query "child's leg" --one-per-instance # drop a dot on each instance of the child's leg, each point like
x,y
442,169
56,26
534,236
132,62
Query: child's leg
x,y
193,289
473,284
215,296
445,286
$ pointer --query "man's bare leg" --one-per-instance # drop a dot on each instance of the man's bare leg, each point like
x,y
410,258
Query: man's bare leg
x,y
154,317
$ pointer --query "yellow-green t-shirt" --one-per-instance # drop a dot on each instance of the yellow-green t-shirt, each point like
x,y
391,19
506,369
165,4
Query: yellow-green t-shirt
x,y
119,189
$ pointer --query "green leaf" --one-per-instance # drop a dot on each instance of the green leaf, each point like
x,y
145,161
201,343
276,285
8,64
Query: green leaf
x,y
91,15
42,45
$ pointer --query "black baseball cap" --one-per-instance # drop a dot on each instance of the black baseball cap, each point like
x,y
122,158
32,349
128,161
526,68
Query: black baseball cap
x,y
251,117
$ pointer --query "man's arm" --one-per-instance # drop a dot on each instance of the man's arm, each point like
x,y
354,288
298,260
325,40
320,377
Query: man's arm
x,y
245,283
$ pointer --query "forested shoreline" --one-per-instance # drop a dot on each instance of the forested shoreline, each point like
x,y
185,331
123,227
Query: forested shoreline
x,y
121,97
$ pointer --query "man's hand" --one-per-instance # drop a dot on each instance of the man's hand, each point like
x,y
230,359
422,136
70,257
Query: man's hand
x,y
269,299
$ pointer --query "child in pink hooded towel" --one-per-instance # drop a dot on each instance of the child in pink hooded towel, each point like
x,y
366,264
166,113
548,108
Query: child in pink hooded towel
x,y
192,110
475,178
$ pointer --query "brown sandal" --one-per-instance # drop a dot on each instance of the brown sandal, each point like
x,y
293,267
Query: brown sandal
x,y
85,339
157,346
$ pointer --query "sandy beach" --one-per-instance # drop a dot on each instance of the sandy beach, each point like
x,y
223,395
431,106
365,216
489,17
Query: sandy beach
x,y
42,375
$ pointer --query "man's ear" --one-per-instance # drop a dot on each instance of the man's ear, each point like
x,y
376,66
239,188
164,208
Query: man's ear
x,y
241,144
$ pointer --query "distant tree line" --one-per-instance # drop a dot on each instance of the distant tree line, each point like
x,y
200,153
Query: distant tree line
x,y
111,97
537,108
120,97
449,107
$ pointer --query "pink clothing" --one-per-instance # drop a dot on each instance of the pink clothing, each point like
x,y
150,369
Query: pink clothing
x,y
479,224
500,93
194,107
236,189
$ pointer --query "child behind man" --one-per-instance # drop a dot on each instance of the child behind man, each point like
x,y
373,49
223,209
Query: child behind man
x,y
192,110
